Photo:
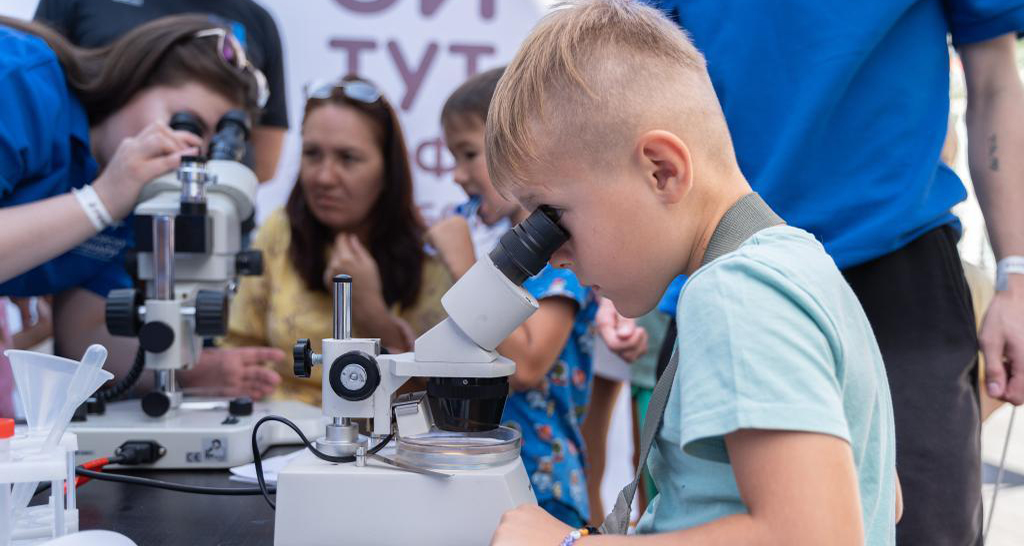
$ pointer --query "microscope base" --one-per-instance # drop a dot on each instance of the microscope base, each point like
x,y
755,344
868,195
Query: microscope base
x,y
324,503
199,434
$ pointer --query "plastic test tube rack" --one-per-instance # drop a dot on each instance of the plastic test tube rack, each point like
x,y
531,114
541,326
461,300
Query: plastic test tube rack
x,y
57,467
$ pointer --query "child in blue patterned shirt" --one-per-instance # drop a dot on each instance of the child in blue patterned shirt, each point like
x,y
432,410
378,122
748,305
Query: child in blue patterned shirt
x,y
552,349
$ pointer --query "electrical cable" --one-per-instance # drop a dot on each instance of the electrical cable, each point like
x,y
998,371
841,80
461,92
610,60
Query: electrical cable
x,y
119,389
999,478
258,457
97,465
170,486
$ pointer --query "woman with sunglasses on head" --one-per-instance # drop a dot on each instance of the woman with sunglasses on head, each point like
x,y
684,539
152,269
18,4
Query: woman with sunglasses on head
x,y
351,211
94,24
81,132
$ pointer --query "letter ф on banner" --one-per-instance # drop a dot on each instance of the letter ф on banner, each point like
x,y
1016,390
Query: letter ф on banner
x,y
435,161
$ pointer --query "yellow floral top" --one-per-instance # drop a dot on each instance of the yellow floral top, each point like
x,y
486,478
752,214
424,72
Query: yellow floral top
x,y
276,308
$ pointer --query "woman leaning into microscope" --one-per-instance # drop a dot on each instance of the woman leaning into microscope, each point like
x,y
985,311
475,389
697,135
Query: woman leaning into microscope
x,y
81,131
351,211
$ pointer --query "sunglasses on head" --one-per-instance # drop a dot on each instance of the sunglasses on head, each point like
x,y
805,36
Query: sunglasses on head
x,y
357,90
232,53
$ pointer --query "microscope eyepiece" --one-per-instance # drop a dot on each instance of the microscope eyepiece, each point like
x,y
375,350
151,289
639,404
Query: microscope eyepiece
x,y
187,121
232,133
522,251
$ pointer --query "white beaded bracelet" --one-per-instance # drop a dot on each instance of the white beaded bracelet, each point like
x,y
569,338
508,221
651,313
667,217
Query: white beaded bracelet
x,y
1006,266
93,207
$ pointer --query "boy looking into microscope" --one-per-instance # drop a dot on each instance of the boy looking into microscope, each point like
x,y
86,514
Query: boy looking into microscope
x,y
778,423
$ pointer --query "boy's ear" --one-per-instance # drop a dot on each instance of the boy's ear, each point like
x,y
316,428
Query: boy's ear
x,y
667,164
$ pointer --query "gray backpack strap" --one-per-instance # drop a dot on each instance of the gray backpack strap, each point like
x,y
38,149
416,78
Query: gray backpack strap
x,y
745,218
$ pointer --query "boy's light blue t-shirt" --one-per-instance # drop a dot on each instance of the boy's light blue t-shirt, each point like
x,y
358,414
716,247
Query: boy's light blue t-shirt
x,y
771,337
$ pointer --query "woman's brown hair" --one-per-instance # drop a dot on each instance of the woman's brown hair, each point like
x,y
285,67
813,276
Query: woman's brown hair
x,y
396,229
161,52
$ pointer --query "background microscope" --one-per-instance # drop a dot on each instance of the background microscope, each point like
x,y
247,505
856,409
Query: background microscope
x,y
189,227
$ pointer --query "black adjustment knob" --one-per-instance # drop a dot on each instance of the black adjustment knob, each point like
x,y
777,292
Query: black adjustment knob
x,y
303,355
354,376
156,337
241,406
211,313
156,404
249,262
122,312
95,405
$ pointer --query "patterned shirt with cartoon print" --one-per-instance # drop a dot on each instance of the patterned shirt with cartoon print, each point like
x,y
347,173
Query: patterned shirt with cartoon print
x,y
549,416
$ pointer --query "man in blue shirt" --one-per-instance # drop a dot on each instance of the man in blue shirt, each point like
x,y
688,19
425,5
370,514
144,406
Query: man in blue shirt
x,y
838,112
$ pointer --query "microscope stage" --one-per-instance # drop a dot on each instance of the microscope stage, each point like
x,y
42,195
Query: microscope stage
x,y
199,434
324,503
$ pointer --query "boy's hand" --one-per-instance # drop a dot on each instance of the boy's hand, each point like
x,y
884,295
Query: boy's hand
x,y
621,334
454,244
235,371
529,525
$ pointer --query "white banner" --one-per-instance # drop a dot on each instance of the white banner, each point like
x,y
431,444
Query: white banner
x,y
417,51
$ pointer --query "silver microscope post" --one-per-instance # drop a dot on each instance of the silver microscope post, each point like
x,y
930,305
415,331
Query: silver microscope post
x,y
342,330
341,436
342,307
163,282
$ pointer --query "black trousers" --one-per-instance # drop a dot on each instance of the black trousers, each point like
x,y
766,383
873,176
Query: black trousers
x,y
919,306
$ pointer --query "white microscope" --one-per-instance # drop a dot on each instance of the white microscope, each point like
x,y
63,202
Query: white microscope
x,y
451,471
188,233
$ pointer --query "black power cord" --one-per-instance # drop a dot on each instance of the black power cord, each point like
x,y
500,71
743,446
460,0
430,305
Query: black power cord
x,y
170,486
119,389
258,457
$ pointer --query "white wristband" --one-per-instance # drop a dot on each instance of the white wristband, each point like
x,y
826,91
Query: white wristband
x,y
93,207
1007,266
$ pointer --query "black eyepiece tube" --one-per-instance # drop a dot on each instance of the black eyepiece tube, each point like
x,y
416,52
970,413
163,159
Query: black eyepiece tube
x,y
187,121
522,251
232,132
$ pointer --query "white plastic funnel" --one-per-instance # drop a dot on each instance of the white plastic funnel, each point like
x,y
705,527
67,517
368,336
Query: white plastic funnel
x,y
44,384
51,388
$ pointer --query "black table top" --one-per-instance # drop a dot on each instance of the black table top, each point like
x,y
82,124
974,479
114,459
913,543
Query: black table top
x,y
151,516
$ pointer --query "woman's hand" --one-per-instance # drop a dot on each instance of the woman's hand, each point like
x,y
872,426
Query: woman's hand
x,y
350,257
139,159
529,525
238,371
451,238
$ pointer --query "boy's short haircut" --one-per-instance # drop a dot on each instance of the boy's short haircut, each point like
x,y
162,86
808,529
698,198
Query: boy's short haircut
x,y
593,73
473,97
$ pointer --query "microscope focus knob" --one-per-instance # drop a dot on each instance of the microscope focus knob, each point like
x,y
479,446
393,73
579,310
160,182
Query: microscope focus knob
x,y
122,312
156,404
302,352
211,313
354,376
240,407
249,262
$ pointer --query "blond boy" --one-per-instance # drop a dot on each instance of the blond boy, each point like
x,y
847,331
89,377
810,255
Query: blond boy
x,y
778,427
